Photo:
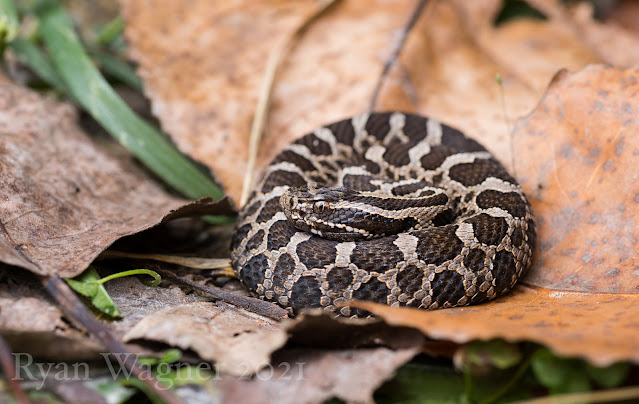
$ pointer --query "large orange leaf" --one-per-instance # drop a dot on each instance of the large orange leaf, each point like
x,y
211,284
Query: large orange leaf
x,y
580,172
203,67
579,150
600,327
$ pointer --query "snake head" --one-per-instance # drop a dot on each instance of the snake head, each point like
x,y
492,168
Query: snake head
x,y
321,211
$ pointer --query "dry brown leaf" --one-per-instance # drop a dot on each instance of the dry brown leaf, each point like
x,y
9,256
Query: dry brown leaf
x,y
239,342
308,377
625,13
64,199
137,300
599,327
203,64
30,321
580,172
611,43
446,70
315,328
204,78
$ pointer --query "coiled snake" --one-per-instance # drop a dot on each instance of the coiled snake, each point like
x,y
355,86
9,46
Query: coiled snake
x,y
388,207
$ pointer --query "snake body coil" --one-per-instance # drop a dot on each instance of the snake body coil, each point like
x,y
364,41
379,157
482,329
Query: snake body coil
x,y
388,207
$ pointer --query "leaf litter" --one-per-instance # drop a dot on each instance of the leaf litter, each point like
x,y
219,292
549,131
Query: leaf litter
x,y
443,71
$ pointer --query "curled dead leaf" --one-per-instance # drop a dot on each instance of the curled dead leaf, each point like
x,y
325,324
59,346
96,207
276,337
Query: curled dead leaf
x,y
317,376
239,342
64,198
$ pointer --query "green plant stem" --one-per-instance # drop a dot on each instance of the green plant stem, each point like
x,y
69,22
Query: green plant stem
x,y
156,277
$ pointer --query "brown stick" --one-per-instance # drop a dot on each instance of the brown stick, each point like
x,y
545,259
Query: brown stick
x,y
9,371
251,304
395,54
77,311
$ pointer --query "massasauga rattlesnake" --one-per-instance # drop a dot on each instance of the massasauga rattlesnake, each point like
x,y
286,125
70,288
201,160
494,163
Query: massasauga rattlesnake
x,y
386,207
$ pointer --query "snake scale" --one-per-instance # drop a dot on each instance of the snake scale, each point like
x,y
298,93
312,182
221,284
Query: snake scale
x,y
390,207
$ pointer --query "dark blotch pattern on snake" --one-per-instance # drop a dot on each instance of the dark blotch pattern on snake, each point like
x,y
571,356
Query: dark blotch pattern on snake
x,y
410,213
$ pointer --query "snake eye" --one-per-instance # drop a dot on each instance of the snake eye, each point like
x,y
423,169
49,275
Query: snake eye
x,y
319,207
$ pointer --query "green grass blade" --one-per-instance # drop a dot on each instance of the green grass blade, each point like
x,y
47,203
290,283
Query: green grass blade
x,y
37,60
119,69
93,92
111,31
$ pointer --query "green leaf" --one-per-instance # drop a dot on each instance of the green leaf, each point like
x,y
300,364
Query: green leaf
x,y
169,356
560,375
549,370
171,377
609,376
111,390
439,384
37,61
183,375
576,382
88,284
93,92
495,353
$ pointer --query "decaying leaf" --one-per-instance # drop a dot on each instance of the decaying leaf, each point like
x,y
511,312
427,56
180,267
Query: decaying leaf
x,y
578,167
580,171
205,94
446,70
31,322
64,199
137,300
314,377
239,342
596,326
203,65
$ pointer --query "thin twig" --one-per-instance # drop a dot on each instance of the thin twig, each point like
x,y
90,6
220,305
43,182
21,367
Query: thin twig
x,y
395,54
263,101
77,311
9,371
251,304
